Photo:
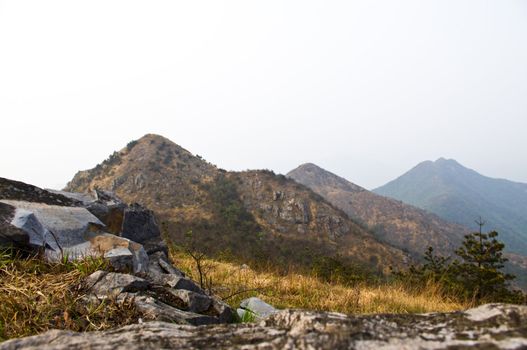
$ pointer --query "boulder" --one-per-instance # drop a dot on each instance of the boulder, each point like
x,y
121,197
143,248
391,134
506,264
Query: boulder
x,y
496,326
133,222
69,232
139,224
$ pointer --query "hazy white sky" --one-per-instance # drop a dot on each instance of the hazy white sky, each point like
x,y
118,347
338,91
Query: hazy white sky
x,y
366,89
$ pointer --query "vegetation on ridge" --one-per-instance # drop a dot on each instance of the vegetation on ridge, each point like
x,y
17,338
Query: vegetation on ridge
x,y
476,273
254,216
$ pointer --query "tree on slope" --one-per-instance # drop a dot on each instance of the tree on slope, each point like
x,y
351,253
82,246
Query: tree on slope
x,y
479,272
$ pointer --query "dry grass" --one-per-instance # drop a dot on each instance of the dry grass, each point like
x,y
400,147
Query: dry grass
x,y
36,296
308,292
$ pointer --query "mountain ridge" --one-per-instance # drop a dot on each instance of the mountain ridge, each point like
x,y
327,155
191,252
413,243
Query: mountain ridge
x,y
404,226
249,214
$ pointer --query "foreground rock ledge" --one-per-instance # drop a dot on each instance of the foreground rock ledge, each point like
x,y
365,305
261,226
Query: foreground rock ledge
x,y
487,327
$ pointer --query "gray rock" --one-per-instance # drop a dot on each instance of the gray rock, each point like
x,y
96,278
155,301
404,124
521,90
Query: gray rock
x,y
107,197
71,232
487,327
9,234
140,225
258,307
154,309
84,198
111,284
193,301
223,311
178,282
159,268
133,222
110,215
168,268
16,190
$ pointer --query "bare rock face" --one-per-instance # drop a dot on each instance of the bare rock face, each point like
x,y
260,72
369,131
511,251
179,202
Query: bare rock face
x,y
487,327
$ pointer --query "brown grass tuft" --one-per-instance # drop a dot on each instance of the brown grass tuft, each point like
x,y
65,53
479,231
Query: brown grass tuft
x,y
36,296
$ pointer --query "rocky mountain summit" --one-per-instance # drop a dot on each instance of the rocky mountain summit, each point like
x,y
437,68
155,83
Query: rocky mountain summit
x,y
493,326
252,215
62,226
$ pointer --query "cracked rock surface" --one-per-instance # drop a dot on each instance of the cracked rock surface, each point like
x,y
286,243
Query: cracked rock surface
x,y
492,326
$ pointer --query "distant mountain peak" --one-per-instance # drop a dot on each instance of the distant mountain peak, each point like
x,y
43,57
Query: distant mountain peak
x,y
448,162
309,167
460,194
153,138
155,143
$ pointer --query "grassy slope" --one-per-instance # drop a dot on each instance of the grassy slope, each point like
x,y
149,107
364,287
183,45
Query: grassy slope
x,y
294,290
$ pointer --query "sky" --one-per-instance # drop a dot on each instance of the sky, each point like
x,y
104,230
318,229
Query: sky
x,y
365,89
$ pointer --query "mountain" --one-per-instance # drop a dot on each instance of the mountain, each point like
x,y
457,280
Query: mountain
x,y
461,195
254,216
392,221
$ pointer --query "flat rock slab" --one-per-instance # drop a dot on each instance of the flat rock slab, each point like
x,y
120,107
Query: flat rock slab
x,y
488,327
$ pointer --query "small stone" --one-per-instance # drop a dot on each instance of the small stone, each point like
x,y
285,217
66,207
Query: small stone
x,y
259,307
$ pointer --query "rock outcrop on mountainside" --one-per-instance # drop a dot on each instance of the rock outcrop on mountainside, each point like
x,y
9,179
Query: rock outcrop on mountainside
x,y
253,215
402,225
59,226
486,327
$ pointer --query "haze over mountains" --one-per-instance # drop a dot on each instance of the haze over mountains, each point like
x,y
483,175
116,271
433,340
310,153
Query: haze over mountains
x,y
251,214
461,195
